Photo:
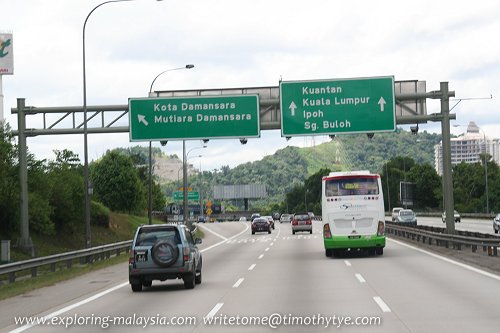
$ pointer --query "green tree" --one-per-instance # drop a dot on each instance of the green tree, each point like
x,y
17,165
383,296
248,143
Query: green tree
x,y
66,195
427,182
116,183
9,181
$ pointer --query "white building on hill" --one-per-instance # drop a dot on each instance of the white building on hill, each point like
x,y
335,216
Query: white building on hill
x,y
468,148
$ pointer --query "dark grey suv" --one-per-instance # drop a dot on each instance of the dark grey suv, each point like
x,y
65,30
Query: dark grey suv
x,y
164,251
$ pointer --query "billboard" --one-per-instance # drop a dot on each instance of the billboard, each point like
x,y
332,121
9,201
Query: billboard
x,y
6,54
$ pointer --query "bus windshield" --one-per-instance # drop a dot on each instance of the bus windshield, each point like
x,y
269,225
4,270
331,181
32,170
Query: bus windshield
x,y
344,186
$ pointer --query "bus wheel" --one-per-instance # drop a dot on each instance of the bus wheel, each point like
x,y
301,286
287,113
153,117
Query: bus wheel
x,y
380,251
328,252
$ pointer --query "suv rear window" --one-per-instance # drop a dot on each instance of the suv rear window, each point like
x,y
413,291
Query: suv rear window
x,y
148,237
302,217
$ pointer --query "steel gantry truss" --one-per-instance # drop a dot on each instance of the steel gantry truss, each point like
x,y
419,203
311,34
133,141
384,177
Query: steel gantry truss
x,y
410,99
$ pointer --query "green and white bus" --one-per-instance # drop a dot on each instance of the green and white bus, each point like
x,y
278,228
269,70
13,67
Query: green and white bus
x,y
353,212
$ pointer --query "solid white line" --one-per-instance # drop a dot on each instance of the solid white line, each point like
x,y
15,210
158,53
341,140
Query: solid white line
x,y
347,263
72,306
451,261
381,304
360,278
121,285
252,267
224,241
214,311
237,284
261,256
212,232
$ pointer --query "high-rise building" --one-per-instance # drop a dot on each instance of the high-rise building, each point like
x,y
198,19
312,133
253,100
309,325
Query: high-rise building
x,y
468,148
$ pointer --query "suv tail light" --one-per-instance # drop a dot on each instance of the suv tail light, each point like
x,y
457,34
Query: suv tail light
x,y
185,253
294,222
326,231
131,259
309,221
381,228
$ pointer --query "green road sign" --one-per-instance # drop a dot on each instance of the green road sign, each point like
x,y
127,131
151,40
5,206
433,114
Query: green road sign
x,y
179,195
204,117
364,105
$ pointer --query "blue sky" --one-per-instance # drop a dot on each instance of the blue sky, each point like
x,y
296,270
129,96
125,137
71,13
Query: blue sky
x,y
245,44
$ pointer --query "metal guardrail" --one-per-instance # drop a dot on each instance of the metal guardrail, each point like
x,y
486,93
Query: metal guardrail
x,y
430,235
85,256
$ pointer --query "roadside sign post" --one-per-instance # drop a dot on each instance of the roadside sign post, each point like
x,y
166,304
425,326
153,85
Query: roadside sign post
x,y
340,106
199,117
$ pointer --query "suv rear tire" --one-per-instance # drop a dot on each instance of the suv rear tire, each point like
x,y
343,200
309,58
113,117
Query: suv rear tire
x,y
189,280
136,287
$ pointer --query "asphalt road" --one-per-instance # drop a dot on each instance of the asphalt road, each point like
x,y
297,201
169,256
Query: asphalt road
x,y
248,278
467,224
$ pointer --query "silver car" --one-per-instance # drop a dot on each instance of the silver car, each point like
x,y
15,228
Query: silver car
x,y
496,224
164,251
302,222
407,216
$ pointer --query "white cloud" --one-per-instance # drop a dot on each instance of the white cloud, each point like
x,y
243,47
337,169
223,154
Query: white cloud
x,y
243,44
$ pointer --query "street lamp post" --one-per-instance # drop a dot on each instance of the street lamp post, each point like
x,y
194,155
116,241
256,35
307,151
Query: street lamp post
x,y
88,240
150,187
184,174
486,171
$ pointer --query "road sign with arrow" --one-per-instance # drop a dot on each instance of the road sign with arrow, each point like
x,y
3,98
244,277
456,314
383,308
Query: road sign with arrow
x,y
362,105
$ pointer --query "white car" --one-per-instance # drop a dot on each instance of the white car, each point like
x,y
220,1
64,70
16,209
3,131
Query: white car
x,y
286,218
395,212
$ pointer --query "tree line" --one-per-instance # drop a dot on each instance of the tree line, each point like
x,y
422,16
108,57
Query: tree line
x,y
119,179
469,188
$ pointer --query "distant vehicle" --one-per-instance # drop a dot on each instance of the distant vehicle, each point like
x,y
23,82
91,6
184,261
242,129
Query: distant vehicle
x,y
496,224
270,219
243,219
286,218
254,216
353,212
407,216
276,216
163,252
395,212
202,219
260,224
456,217
301,222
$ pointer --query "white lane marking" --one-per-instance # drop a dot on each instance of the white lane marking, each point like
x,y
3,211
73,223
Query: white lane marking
x,y
214,311
72,306
271,244
451,261
347,263
107,291
360,278
252,267
224,241
267,249
213,232
261,256
381,304
237,284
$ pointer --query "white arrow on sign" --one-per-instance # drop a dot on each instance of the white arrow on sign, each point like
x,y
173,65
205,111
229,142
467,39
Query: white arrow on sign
x,y
292,108
382,103
142,119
